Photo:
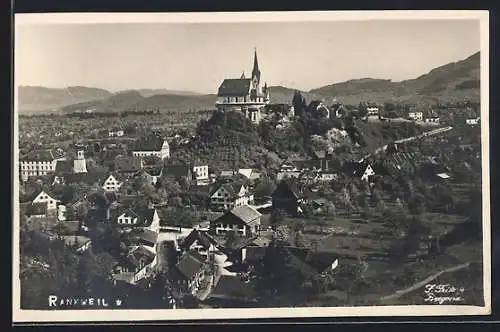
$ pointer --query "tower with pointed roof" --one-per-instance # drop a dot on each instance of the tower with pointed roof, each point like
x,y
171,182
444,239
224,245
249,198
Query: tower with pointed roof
x,y
244,94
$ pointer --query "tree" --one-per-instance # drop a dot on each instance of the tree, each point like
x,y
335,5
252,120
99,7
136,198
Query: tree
x,y
298,103
277,217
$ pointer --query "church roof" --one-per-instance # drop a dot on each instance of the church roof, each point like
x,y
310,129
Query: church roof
x,y
234,87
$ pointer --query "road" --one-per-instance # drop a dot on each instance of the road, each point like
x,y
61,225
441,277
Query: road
x,y
409,139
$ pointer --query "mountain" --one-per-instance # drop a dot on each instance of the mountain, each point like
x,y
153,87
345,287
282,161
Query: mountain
x,y
452,82
449,83
37,98
152,92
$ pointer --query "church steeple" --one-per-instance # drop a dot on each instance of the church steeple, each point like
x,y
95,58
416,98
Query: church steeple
x,y
242,74
255,71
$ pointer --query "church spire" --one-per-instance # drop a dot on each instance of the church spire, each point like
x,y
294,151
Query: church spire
x,y
242,74
255,71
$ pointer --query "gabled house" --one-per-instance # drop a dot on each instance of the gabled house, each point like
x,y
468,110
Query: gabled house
x,y
137,265
152,145
112,183
363,170
147,219
78,242
150,174
189,272
230,195
37,210
44,198
199,241
244,220
287,197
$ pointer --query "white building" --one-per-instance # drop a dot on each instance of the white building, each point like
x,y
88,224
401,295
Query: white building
x,y
152,146
417,116
473,121
200,172
43,197
229,196
112,184
372,110
37,163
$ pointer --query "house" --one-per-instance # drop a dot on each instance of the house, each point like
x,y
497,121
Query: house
x,y
77,242
147,219
249,174
230,195
321,159
244,95
151,174
112,183
200,173
287,197
128,165
362,170
148,239
199,241
372,110
116,132
189,272
37,163
152,145
37,210
137,265
416,115
44,198
473,121
244,220
232,291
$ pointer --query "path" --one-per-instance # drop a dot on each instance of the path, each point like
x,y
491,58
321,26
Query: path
x,y
424,282
408,139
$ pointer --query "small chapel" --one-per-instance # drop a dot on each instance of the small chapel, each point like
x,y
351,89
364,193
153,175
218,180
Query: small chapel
x,y
244,94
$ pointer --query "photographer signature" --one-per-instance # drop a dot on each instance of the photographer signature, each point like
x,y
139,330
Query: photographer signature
x,y
443,293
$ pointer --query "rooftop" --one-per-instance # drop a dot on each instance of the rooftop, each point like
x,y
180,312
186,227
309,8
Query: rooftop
x,y
234,87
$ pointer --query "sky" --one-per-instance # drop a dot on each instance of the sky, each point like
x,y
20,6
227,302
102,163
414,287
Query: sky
x,y
198,56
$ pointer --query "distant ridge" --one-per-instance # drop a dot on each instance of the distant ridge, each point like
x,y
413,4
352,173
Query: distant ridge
x,y
456,81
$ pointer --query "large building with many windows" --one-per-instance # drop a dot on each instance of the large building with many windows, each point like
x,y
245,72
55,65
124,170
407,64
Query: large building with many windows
x,y
244,94
37,163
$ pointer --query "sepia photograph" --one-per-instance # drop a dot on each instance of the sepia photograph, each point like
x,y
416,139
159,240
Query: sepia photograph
x,y
250,165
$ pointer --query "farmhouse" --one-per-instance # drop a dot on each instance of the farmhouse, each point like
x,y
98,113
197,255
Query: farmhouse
x,y
189,272
147,219
230,195
200,173
112,183
48,200
244,94
287,197
244,220
362,170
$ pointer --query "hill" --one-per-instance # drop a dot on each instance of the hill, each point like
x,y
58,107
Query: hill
x,y
452,82
38,98
449,83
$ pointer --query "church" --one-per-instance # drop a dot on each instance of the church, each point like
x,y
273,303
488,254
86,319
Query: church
x,y
244,94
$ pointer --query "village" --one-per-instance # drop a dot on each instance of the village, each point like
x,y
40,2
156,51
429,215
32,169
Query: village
x,y
313,228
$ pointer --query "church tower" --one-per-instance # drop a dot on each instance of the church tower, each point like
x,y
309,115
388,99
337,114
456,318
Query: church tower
x,y
255,73
79,163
